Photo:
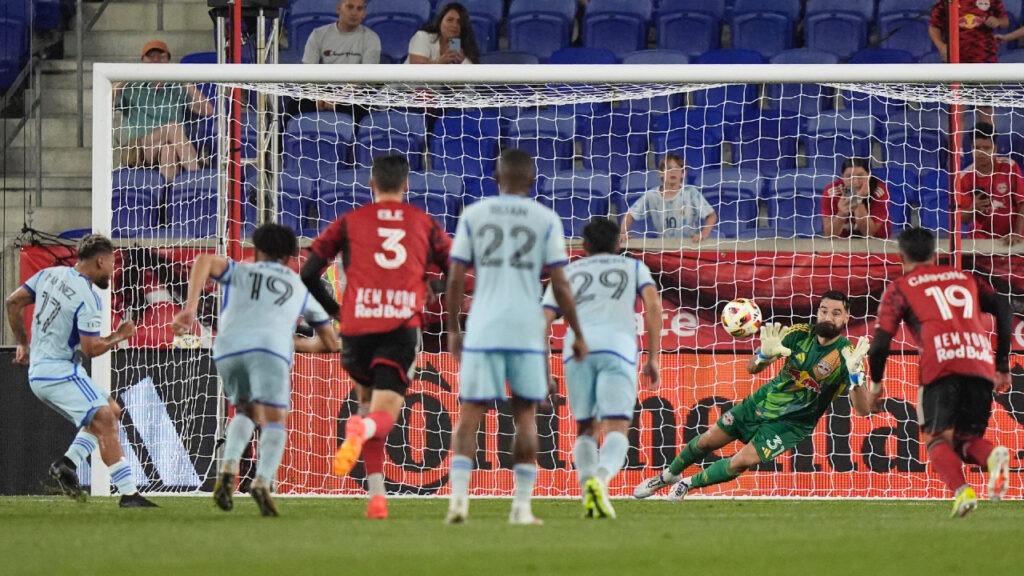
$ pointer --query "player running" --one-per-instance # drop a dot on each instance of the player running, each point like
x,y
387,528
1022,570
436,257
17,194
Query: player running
x,y
387,248
254,350
602,387
819,365
942,306
66,328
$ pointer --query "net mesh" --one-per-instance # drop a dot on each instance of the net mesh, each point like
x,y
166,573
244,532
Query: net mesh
x,y
766,160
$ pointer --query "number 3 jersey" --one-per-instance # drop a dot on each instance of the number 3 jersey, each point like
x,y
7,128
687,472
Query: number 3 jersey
x,y
508,240
66,308
386,249
262,304
942,306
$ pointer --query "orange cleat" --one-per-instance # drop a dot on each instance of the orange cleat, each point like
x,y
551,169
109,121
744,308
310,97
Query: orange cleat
x,y
377,508
348,453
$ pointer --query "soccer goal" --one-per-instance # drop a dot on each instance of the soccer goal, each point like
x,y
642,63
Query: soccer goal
x,y
752,203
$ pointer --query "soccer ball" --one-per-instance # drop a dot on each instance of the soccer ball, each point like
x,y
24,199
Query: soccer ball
x,y
741,318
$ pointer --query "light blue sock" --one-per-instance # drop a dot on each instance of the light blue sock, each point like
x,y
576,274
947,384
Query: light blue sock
x,y
121,476
273,437
83,445
526,477
613,455
584,457
240,431
459,473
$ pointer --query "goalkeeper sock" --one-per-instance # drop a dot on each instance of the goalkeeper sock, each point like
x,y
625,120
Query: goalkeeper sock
x,y
585,457
946,464
690,455
83,445
613,455
375,484
526,477
976,450
240,431
273,437
121,476
715,474
378,424
373,459
459,473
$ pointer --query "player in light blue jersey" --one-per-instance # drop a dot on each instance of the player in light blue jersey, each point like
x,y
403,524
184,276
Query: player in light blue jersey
x,y
65,327
253,352
509,241
602,387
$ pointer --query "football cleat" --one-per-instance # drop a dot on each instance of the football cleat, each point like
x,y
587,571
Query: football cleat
x,y
349,451
598,492
377,508
136,501
523,515
998,473
588,502
64,473
965,501
648,487
458,511
260,492
224,490
680,490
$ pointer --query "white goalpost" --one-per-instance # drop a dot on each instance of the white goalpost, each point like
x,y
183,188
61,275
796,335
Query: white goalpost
x,y
761,143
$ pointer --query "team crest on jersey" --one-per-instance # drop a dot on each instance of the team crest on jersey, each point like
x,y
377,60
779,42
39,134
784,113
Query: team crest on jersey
x,y
983,5
1001,188
728,419
822,369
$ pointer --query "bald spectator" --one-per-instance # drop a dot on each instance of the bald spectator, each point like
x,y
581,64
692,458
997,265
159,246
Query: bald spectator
x,y
346,41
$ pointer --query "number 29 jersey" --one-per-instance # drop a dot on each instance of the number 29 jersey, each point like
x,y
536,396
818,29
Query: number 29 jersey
x,y
942,307
508,240
386,249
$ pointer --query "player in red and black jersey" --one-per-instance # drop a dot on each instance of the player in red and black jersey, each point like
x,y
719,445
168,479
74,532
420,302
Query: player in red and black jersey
x,y
387,249
942,306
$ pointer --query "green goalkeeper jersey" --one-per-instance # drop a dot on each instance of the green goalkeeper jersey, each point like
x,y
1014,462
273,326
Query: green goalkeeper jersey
x,y
811,378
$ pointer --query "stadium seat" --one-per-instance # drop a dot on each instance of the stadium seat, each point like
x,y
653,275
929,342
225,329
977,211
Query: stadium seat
x,y
339,193
582,55
318,138
547,136
617,25
903,25
16,10
137,194
918,137
804,100
879,107
466,144
395,22
733,193
192,205
540,27
838,26
695,134
615,142
486,16
934,210
768,143
1012,57
932,57
13,48
737,102
692,27
794,204
508,57
656,57
1015,10
46,15
439,195
832,137
882,56
765,26
392,132
577,196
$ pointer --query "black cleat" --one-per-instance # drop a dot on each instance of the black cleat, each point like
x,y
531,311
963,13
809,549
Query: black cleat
x,y
223,491
65,473
260,492
136,501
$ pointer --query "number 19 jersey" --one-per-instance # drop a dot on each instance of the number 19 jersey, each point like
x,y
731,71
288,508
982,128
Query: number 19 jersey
x,y
508,240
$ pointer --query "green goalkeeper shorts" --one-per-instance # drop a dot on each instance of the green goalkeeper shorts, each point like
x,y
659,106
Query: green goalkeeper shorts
x,y
770,436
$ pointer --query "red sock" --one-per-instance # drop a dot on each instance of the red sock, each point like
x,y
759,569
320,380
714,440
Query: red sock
x,y
384,424
975,450
373,456
946,464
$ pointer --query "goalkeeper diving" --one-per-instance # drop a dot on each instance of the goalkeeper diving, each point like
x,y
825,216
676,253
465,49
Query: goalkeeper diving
x,y
820,364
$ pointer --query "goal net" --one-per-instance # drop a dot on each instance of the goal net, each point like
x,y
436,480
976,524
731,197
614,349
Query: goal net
x,y
781,171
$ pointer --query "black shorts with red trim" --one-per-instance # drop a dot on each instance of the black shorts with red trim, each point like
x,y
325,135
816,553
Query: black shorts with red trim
x,y
961,403
397,349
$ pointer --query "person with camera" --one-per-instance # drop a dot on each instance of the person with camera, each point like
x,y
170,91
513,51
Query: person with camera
x,y
989,191
857,204
447,39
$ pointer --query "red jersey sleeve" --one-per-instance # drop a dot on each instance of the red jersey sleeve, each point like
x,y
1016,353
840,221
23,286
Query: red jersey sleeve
x,y
440,245
940,16
892,309
997,9
880,210
830,198
332,240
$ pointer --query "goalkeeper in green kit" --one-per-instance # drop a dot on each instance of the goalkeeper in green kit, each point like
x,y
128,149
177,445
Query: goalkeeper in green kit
x,y
819,365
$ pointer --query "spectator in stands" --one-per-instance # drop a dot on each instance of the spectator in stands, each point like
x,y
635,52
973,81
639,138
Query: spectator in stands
x,y
990,192
346,41
978,20
448,39
857,204
154,119
677,210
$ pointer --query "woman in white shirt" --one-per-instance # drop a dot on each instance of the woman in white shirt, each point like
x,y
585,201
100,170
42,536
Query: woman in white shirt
x,y
448,39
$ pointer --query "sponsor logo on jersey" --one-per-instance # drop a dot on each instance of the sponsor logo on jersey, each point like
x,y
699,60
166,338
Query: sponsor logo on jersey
x,y
983,5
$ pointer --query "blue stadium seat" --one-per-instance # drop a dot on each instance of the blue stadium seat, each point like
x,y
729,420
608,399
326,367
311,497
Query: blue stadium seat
x,y
199,58
486,16
838,26
733,193
1013,56
582,55
13,48
547,136
882,56
16,10
339,193
466,144
540,27
318,138
902,183
903,25
737,102
137,194
615,142
934,209
918,137
577,196
617,25
794,203
694,133
832,137
656,57
803,100
509,57
395,22
1015,10
657,104
765,26
932,57
768,143
192,205
879,107
47,14
392,132
439,195
295,197
692,27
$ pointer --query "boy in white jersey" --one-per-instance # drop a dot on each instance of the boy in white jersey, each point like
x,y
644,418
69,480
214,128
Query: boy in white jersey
x,y
509,240
254,349
66,327
677,210
602,387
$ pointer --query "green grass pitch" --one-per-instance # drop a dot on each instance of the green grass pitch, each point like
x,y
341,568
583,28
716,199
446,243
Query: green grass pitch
x,y
188,535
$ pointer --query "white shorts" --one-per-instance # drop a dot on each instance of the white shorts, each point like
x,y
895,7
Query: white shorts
x,y
483,375
602,386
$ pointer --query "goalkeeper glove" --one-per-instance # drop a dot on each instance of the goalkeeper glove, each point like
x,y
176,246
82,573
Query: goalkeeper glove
x,y
771,342
855,361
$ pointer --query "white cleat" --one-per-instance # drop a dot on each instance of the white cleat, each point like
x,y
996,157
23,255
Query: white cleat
x,y
680,490
648,487
458,511
998,473
523,515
